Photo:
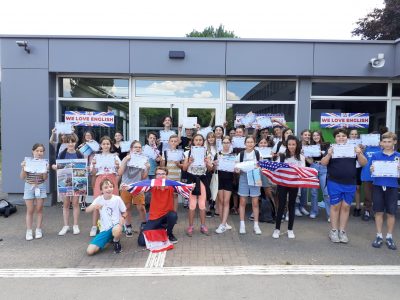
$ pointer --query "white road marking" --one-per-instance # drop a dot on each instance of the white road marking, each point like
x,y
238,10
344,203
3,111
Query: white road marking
x,y
319,270
156,260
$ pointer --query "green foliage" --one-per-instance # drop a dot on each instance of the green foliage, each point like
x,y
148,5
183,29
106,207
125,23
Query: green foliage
x,y
212,32
381,23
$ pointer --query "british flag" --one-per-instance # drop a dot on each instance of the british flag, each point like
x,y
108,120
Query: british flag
x,y
145,185
290,175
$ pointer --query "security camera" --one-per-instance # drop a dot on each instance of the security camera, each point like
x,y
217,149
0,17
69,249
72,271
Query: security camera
x,y
22,43
378,62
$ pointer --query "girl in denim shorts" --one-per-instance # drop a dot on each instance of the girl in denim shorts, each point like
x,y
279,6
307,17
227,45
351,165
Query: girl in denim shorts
x,y
34,193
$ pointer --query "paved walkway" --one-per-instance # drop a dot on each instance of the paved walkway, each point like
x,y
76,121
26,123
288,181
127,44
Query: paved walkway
x,y
311,246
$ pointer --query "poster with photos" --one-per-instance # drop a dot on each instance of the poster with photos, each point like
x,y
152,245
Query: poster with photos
x,y
72,178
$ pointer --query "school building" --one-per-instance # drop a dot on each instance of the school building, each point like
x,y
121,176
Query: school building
x,y
141,80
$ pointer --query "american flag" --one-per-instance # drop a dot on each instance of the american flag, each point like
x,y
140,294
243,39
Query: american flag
x,y
145,185
290,175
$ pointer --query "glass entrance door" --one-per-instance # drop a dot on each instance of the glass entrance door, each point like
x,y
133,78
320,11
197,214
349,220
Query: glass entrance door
x,y
149,116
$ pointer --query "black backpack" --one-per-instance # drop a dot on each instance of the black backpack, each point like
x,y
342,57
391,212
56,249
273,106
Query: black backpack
x,y
267,211
241,155
7,208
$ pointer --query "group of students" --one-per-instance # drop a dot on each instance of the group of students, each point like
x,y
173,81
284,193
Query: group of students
x,y
216,190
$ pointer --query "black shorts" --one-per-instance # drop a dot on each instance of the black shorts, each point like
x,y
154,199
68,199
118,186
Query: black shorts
x,y
359,176
384,201
225,181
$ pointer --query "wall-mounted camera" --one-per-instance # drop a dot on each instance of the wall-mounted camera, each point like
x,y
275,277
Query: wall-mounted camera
x,y
23,44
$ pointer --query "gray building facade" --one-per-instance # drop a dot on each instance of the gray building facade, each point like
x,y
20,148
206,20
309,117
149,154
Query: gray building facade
x,y
140,80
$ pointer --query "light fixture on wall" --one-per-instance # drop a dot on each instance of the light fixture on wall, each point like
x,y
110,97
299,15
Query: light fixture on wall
x,y
23,44
176,54
378,62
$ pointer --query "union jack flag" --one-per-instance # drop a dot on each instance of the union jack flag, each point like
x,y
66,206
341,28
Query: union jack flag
x,y
145,185
290,175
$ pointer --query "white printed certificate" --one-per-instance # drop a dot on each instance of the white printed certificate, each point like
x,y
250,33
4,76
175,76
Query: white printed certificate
x,y
63,128
265,152
149,152
226,163
125,146
204,131
354,142
33,165
262,122
93,145
370,139
174,155
198,153
164,135
346,150
137,161
189,122
312,151
105,163
238,142
385,168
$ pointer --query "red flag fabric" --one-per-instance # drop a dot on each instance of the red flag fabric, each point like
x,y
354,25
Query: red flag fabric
x,y
157,240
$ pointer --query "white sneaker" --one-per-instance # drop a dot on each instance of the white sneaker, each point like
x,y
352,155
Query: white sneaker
x,y
290,234
297,212
304,211
64,230
329,220
75,229
29,235
276,234
257,229
38,233
228,227
221,228
93,231
242,229
313,216
287,217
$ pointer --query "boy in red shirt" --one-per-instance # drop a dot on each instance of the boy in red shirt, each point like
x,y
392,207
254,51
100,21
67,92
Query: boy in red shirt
x,y
161,210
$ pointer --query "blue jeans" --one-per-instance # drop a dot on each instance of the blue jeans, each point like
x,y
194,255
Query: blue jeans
x,y
322,171
302,199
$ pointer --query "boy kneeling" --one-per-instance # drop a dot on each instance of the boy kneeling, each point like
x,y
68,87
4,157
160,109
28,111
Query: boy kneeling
x,y
112,212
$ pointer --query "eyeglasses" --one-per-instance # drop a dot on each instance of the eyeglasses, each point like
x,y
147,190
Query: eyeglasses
x,y
161,174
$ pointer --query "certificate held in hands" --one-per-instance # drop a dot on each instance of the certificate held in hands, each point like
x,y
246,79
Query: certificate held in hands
x,y
37,166
370,139
238,142
341,151
312,151
198,153
174,155
226,163
385,169
137,161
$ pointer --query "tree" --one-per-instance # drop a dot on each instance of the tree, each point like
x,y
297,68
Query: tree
x,y
381,23
212,32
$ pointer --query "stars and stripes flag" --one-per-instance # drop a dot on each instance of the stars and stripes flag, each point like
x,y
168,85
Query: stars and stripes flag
x,y
290,175
145,185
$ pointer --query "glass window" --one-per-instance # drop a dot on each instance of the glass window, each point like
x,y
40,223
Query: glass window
x,y
151,119
396,89
261,90
121,117
349,89
77,87
287,109
178,89
376,110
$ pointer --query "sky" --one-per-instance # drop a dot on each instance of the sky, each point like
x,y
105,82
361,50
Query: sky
x,y
264,19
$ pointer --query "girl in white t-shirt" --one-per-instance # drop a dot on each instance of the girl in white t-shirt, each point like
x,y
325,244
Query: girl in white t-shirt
x,y
291,156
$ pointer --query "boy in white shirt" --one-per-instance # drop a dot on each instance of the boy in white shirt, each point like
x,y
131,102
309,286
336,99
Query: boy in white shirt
x,y
112,212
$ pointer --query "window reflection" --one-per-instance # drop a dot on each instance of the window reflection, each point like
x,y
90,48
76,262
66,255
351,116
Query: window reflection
x,y
77,87
349,89
261,90
177,88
